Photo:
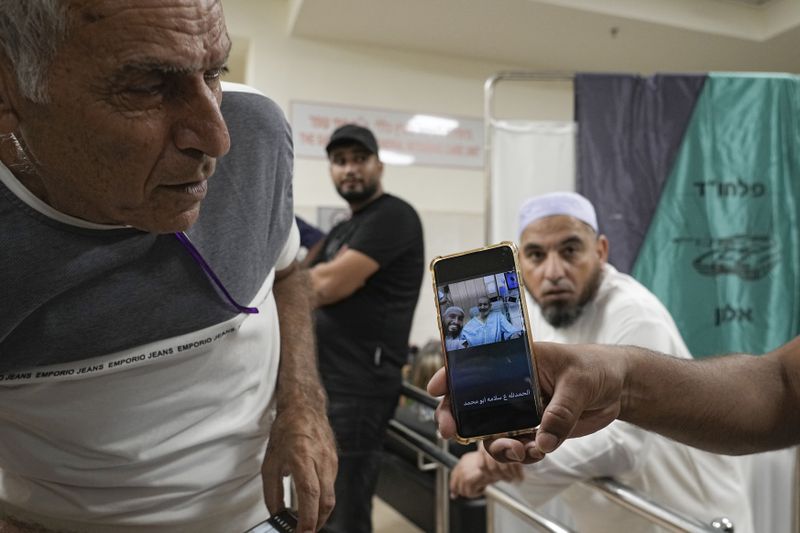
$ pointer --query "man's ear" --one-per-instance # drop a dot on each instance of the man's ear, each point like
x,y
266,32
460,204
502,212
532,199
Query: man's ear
x,y
9,96
602,248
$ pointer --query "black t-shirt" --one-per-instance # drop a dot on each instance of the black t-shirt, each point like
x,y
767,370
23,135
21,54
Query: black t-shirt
x,y
363,339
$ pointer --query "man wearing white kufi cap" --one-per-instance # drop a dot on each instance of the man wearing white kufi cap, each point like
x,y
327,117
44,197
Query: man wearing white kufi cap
x,y
577,297
453,318
564,274
554,204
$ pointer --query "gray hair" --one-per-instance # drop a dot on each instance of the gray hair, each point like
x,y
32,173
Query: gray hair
x,y
30,33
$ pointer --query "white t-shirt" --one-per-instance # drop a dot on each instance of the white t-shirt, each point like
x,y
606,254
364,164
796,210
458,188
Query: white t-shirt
x,y
174,445
697,484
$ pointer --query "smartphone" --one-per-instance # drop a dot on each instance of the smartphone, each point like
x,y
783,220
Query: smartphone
x,y
487,342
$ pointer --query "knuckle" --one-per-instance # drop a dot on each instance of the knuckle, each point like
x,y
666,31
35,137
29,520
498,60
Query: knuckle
x,y
561,413
328,503
309,489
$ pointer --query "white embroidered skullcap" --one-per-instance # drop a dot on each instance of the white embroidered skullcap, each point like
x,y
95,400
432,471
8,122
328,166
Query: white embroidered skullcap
x,y
453,308
557,203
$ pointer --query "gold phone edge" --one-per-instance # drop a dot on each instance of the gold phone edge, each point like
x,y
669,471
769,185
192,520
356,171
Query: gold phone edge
x,y
523,302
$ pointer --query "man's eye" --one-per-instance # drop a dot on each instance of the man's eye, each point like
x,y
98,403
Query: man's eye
x,y
146,90
215,74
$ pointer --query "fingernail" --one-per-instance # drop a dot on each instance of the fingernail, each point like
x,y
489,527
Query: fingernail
x,y
535,454
511,455
546,442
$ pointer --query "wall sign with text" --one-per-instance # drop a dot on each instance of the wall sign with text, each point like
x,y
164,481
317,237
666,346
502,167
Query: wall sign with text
x,y
404,138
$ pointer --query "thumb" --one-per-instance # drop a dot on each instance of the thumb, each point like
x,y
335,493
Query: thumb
x,y
437,386
272,480
560,417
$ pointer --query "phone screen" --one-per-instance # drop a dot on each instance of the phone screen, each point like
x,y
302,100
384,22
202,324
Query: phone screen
x,y
491,376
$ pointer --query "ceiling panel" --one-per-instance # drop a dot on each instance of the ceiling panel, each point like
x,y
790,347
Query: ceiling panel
x,y
546,35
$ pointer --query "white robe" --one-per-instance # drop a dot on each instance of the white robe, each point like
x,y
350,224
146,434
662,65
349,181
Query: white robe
x,y
695,483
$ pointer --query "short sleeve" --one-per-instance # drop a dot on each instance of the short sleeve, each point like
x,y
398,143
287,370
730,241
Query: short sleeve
x,y
290,249
390,230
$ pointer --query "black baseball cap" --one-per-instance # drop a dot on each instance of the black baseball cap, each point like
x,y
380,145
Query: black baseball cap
x,y
352,133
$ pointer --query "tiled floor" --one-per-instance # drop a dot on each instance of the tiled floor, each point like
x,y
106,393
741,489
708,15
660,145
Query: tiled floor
x,y
386,520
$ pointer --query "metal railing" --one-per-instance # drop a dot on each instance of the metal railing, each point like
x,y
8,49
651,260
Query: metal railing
x,y
613,490
796,496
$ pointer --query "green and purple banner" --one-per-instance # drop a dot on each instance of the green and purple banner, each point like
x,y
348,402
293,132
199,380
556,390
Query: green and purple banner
x,y
696,180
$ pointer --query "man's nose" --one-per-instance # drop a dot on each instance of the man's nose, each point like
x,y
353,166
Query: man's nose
x,y
553,267
351,167
201,126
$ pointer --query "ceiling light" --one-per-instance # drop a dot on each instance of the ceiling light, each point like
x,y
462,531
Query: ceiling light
x,y
396,158
431,125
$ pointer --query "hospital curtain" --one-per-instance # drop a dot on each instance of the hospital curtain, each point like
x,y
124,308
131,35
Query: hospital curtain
x,y
529,158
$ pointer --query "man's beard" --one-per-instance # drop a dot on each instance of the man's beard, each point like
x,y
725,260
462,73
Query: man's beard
x,y
454,334
563,314
356,196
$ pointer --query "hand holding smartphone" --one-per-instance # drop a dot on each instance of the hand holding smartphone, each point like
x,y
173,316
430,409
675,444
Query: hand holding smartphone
x,y
483,322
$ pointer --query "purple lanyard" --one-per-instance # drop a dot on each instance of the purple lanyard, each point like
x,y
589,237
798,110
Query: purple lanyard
x,y
195,253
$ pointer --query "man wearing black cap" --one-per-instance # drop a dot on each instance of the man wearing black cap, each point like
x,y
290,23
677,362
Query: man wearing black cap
x,y
366,280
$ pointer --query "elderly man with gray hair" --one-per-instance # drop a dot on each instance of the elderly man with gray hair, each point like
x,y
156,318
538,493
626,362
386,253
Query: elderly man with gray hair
x,y
157,364
575,296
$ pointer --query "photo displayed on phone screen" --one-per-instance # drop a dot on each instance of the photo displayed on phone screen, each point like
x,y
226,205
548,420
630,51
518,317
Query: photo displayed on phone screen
x,y
489,362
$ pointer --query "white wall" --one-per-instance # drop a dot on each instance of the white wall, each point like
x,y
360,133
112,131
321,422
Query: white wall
x,y
450,201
